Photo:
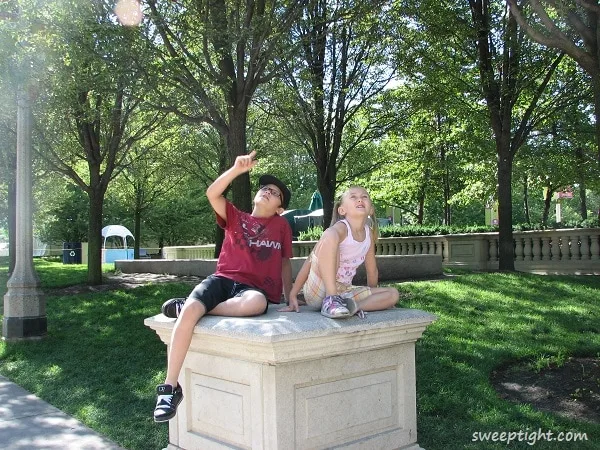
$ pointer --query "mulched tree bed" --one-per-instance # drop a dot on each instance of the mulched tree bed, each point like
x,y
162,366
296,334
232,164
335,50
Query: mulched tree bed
x,y
571,390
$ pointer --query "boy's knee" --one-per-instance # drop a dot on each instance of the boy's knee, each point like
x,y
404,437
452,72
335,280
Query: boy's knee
x,y
254,303
192,310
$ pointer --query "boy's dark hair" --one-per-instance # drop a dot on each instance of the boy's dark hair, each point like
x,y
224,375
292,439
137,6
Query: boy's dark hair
x,y
270,179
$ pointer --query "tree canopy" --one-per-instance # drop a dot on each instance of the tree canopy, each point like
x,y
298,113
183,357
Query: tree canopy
x,y
439,109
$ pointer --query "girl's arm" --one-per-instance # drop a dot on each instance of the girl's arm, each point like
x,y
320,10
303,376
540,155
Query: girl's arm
x,y
327,255
296,287
371,266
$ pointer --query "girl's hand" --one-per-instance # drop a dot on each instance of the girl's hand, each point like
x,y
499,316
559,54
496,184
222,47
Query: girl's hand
x,y
293,306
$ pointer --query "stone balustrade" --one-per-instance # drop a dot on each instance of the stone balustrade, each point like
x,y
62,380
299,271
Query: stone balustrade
x,y
568,251
189,252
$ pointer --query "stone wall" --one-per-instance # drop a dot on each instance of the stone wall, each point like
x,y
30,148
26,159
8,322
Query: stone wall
x,y
391,267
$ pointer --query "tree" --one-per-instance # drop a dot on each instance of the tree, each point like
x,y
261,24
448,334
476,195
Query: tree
x,y
570,27
68,220
337,80
500,59
444,157
95,94
10,59
8,168
152,171
214,55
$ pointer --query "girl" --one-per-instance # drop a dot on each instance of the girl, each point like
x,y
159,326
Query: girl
x,y
328,272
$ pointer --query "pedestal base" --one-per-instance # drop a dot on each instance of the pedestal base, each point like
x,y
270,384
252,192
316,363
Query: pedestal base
x,y
298,381
24,314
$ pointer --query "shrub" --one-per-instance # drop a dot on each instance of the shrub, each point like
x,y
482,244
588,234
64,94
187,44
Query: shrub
x,y
313,234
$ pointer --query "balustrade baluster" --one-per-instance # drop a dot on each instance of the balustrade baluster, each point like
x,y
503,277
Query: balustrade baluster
x,y
585,247
411,248
575,251
595,247
545,249
555,249
518,249
536,250
565,252
527,249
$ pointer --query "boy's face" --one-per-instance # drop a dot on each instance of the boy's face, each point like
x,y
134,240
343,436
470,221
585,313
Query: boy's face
x,y
270,196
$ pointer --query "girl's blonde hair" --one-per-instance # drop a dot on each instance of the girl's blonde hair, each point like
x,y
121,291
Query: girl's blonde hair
x,y
336,216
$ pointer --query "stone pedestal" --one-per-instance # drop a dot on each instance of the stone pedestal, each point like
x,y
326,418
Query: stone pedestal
x,y
298,381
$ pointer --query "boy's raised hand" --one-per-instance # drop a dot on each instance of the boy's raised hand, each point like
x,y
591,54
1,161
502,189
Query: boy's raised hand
x,y
245,163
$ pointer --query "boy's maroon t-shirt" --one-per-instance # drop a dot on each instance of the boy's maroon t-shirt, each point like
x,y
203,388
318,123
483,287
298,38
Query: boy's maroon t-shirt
x,y
253,249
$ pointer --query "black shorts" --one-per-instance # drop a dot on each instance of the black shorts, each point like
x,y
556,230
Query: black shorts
x,y
215,289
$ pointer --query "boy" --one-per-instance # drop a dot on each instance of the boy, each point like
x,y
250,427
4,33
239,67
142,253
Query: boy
x,y
253,266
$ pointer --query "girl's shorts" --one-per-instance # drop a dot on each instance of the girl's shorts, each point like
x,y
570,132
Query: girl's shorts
x,y
314,290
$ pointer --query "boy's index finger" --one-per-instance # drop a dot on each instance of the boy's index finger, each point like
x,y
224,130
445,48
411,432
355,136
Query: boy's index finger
x,y
252,155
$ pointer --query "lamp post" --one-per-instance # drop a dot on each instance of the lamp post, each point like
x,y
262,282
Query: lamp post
x,y
24,302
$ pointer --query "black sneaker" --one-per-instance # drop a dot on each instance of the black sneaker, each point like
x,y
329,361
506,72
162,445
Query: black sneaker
x,y
171,308
167,401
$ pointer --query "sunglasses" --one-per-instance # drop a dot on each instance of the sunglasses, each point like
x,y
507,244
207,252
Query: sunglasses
x,y
271,191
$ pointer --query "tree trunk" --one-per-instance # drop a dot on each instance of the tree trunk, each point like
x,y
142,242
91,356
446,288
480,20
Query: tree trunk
x,y
327,189
95,238
547,205
421,203
581,181
506,256
241,191
223,166
137,232
526,199
446,184
596,89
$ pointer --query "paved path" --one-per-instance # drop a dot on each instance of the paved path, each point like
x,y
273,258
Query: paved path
x,y
29,423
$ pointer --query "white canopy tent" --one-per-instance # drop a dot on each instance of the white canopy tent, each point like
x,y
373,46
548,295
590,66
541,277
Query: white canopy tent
x,y
116,230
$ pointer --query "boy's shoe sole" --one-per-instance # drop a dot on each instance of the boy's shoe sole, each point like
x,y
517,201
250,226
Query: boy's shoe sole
x,y
166,407
172,307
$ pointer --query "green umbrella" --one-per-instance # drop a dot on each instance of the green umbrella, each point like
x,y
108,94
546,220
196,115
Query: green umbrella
x,y
316,202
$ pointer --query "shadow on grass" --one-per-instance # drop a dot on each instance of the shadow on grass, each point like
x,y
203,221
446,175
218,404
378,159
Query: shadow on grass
x,y
99,362
485,321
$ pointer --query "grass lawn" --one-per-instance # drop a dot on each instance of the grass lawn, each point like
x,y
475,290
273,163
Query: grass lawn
x,y
100,364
